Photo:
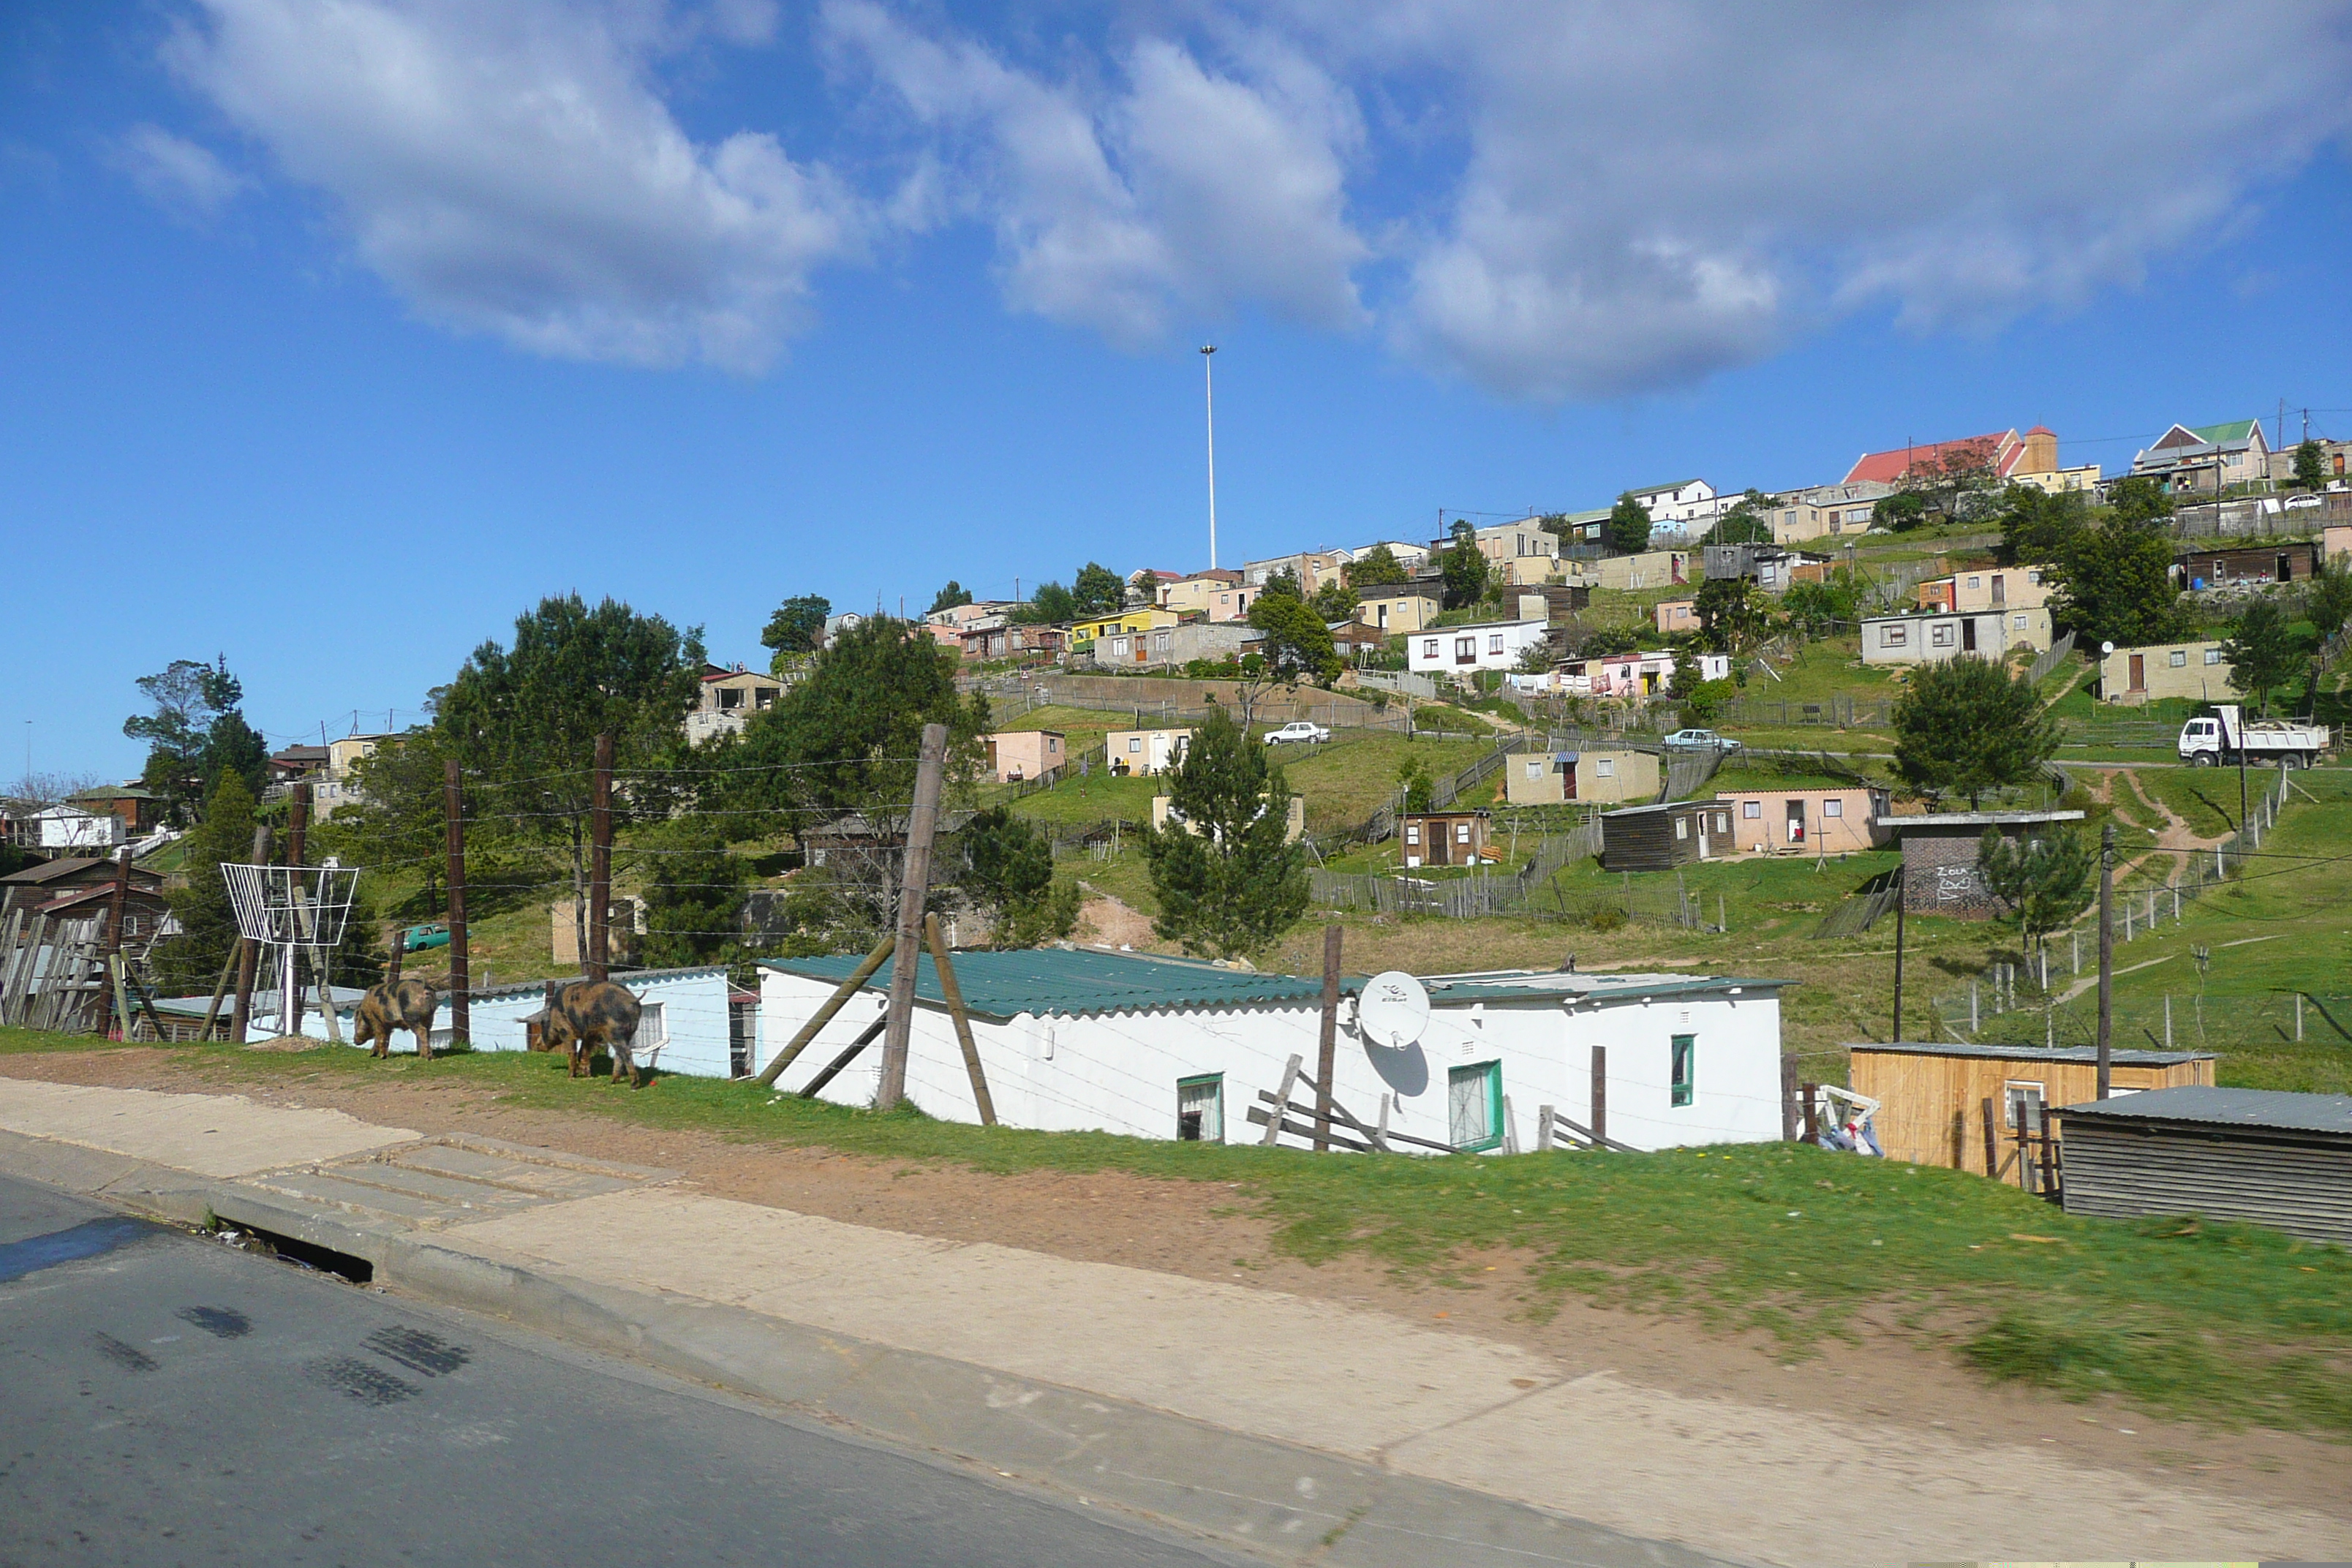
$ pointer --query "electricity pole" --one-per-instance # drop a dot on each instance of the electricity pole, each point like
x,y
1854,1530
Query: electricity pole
x,y
1209,395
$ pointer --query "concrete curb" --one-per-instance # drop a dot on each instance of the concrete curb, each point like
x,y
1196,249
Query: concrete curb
x,y
1265,1498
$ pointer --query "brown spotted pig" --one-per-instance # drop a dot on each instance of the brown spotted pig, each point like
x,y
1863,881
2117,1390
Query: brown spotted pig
x,y
591,1014
396,1004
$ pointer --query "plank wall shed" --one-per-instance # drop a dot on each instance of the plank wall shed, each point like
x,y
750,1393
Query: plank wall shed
x,y
1931,1096
2258,1156
1661,837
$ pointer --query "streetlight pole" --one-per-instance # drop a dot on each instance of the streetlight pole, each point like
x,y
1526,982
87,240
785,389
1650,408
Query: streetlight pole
x,y
1209,393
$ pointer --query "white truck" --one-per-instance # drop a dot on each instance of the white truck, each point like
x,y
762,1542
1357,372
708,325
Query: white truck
x,y
2221,738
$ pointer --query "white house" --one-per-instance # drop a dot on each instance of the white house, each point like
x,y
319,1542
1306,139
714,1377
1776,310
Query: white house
x,y
1931,638
687,1014
1629,675
1490,645
70,827
1683,501
1081,1039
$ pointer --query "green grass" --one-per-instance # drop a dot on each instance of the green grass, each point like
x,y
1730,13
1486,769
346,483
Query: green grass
x,y
2226,1324
1353,776
1097,797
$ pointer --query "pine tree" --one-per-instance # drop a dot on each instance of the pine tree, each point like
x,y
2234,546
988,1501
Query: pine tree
x,y
192,961
2045,881
1228,881
2261,652
1628,528
1009,872
1965,726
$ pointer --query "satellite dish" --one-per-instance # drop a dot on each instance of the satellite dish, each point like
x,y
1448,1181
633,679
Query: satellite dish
x,y
1393,1009
2106,647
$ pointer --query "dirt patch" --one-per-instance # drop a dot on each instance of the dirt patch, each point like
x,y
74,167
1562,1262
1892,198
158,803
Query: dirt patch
x,y
1210,1231
1107,922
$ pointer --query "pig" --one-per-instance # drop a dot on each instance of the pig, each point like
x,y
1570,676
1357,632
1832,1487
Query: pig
x,y
586,1014
396,1004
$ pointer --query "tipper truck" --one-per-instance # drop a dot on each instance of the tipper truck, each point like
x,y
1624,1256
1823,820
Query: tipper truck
x,y
2223,736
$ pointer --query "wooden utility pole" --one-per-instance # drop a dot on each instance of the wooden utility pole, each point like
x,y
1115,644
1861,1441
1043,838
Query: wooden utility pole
x,y
298,828
461,1001
117,899
1327,1040
600,863
1600,1095
922,823
1901,897
2106,951
248,955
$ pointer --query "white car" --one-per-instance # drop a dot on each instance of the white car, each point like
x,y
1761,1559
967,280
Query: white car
x,y
1298,730
1701,741
2303,503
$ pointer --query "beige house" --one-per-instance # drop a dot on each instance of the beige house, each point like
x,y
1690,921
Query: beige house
x,y
1017,754
1138,752
1805,821
1677,615
1521,547
1217,595
1562,778
2194,670
1630,573
1399,607
1932,639
1294,825
1313,568
2335,540
730,698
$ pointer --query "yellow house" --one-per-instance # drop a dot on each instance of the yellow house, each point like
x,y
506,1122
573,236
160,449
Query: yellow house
x,y
1145,618
1218,595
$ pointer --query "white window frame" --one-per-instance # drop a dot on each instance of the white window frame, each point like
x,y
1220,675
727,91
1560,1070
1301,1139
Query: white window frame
x,y
1833,806
1604,767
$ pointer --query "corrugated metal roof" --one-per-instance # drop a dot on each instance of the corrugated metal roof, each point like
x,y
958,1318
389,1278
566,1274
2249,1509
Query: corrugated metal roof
x,y
2035,1053
2255,1107
1510,985
1073,981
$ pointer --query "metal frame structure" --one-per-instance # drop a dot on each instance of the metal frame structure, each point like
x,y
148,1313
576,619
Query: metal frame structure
x,y
287,907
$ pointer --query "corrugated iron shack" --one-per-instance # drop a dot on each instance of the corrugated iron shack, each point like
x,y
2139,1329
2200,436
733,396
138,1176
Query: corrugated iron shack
x,y
2255,1154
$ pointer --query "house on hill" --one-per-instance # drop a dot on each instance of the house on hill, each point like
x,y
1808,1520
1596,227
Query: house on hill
x,y
2191,459
2000,455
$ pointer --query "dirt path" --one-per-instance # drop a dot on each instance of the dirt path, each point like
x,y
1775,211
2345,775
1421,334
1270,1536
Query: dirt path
x,y
1888,1375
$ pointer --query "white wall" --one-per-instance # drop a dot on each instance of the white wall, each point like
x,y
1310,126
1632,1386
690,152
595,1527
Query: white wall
x,y
694,1016
1119,1072
1517,637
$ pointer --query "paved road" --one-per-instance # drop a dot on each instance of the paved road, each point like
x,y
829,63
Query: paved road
x,y
166,1400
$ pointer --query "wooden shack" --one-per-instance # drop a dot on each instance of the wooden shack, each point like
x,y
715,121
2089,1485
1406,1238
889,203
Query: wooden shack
x,y
1663,836
1932,1096
1443,837
2259,1155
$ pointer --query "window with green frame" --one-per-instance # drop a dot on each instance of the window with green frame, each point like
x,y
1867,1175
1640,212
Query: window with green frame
x,y
1684,1069
1200,1109
1474,1106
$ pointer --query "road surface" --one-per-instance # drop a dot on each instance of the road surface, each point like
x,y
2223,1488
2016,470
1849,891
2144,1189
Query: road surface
x,y
166,1400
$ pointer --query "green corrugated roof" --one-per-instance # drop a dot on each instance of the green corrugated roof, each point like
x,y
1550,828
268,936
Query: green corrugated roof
x,y
1073,981
1077,981
2234,430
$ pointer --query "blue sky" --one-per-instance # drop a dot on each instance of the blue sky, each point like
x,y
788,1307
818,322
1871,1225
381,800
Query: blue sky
x,y
337,336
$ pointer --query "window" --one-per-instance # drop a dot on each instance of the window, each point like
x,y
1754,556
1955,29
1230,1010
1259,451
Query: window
x,y
1200,1109
1940,637
1413,833
1833,808
1683,1068
2213,656
1723,822
1604,767
1494,642
2018,1095
1461,833
1682,827
1134,743
2179,658
1465,650
1429,647
2018,622
1976,581
1474,1106
1534,767
1894,637
1752,810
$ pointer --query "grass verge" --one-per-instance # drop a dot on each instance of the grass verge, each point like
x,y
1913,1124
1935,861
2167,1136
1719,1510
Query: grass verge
x,y
2225,1323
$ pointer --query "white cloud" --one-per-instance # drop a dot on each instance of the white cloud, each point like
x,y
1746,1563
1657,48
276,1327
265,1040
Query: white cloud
x,y
1649,193
175,172
509,169
1185,187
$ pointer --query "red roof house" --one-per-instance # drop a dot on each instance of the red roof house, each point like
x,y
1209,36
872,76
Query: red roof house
x,y
2001,452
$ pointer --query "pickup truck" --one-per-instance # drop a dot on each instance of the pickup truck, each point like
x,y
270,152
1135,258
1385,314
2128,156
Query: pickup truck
x,y
2225,735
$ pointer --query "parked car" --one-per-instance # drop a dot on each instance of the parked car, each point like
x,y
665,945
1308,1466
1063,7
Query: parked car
x,y
1701,741
1298,730
416,939
2300,503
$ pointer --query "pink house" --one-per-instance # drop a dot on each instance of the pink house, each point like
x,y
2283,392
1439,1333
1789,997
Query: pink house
x,y
1017,754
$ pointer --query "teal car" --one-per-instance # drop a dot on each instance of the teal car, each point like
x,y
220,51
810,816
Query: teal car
x,y
416,939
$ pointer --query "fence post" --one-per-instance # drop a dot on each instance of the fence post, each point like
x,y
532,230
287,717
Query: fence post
x,y
922,821
461,995
600,863
1599,1094
1788,1097
1327,1040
